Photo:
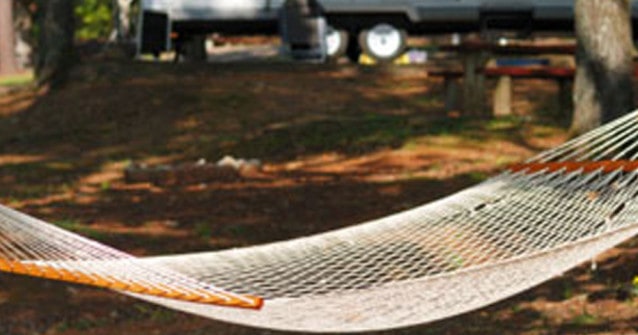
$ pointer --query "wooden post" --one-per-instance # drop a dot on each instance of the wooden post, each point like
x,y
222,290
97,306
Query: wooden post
x,y
8,64
474,83
502,105
451,84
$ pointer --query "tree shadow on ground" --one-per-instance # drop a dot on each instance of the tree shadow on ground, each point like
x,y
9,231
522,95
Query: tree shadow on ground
x,y
62,159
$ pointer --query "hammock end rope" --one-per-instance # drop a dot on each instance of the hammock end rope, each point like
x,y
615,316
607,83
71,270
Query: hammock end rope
x,y
571,166
201,296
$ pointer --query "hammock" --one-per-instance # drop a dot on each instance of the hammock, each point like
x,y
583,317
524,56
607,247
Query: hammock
x,y
481,245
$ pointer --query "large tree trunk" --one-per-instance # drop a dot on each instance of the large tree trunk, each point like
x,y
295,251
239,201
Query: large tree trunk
x,y
603,84
55,47
8,63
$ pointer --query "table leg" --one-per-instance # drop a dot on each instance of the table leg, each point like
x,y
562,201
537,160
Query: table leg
x,y
474,83
502,105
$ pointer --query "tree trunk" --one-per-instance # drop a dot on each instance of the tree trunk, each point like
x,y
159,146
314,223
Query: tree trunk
x,y
55,48
121,21
23,16
603,84
8,63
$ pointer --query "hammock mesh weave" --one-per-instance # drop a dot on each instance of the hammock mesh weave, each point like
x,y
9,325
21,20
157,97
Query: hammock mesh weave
x,y
481,245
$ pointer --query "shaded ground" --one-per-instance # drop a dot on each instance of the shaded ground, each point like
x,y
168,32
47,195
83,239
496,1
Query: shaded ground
x,y
340,145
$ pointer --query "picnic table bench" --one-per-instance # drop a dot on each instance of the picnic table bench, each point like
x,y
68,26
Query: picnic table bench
x,y
502,99
502,102
475,56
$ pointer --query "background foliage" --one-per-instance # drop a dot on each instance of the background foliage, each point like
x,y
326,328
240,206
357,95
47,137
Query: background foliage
x,y
93,19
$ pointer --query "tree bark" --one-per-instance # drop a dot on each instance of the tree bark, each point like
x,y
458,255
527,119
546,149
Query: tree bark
x,y
603,84
8,64
55,47
24,16
121,21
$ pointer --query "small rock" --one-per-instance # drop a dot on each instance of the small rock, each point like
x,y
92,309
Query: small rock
x,y
229,161
171,223
237,164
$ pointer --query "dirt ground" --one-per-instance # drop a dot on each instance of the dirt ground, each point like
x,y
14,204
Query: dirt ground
x,y
339,145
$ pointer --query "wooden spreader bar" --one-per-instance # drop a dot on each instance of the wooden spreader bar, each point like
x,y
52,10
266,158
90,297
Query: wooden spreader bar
x,y
569,166
156,289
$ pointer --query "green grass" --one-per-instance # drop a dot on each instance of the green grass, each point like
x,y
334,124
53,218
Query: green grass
x,y
203,230
77,227
585,319
504,124
39,179
157,314
81,324
17,79
234,231
350,136
478,176
373,132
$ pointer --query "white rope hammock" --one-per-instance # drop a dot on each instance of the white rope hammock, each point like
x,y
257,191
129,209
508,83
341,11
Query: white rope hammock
x,y
489,242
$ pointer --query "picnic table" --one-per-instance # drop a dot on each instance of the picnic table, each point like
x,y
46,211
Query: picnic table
x,y
475,55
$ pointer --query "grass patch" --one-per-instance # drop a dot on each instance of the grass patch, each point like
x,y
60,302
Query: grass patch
x,y
234,231
154,313
351,136
38,179
478,176
585,319
20,79
82,324
36,171
507,123
77,227
22,192
203,230
373,132
542,131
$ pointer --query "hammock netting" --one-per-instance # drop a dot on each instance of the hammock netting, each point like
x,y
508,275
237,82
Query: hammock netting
x,y
531,223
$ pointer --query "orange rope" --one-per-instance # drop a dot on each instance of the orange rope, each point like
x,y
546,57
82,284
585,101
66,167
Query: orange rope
x,y
95,280
586,166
